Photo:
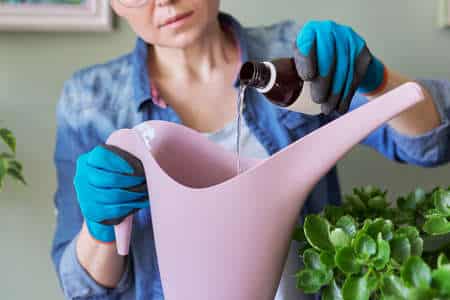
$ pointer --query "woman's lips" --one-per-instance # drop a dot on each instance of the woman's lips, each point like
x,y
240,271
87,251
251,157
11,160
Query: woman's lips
x,y
176,19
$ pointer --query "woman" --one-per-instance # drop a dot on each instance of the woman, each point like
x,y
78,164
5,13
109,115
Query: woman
x,y
184,69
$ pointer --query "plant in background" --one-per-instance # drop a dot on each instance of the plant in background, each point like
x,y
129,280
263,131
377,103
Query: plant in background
x,y
9,166
368,249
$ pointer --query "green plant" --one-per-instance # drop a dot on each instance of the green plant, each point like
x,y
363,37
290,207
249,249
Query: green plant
x,y
369,249
9,166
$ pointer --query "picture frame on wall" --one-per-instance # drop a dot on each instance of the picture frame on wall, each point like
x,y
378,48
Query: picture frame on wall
x,y
444,13
55,15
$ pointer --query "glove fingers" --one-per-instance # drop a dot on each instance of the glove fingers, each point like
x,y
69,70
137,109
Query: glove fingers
x,y
110,184
371,70
126,210
113,211
358,68
330,106
132,160
140,188
106,179
350,48
305,54
115,196
306,37
342,64
321,86
86,192
327,58
113,159
116,221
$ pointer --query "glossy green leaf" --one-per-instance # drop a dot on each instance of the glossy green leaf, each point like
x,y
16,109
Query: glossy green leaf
x,y
437,225
422,294
333,213
441,280
310,281
403,216
412,200
394,288
382,226
377,202
339,238
7,156
416,246
441,200
368,192
317,232
299,235
332,292
16,175
3,171
414,238
400,249
311,260
409,231
416,273
406,203
327,259
381,248
356,288
383,253
442,260
8,138
372,282
364,246
14,164
355,203
347,261
348,224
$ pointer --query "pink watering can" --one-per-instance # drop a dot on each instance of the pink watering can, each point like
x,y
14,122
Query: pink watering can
x,y
234,231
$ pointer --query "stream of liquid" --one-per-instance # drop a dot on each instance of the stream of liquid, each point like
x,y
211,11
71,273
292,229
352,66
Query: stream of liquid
x,y
240,101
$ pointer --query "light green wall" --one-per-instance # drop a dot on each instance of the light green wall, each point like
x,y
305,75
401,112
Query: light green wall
x,y
33,67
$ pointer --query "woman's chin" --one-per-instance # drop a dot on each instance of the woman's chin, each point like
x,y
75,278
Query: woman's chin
x,y
181,40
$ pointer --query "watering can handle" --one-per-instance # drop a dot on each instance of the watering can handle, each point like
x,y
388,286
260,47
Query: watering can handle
x,y
123,235
123,225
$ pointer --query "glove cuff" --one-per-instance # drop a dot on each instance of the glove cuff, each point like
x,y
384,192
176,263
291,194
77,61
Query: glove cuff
x,y
375,79
100,232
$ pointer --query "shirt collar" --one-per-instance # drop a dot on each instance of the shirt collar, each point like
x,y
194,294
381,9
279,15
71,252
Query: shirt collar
x,y
141,79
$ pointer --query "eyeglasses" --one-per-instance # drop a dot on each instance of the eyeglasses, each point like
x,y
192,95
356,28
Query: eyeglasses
x,y
133,3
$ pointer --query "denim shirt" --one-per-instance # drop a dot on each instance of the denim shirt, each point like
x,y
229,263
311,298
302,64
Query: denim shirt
x,y
100,99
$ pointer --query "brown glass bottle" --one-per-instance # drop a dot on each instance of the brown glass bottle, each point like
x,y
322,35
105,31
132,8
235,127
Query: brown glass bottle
x,y
277,79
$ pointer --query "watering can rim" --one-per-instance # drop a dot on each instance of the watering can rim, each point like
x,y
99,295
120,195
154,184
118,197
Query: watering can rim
x,y
257,163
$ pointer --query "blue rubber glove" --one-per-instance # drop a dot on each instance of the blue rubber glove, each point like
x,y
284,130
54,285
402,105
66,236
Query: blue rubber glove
x,y
110,185
337,62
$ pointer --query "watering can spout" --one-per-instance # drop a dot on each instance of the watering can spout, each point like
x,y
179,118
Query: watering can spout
x,y
320,150
241,224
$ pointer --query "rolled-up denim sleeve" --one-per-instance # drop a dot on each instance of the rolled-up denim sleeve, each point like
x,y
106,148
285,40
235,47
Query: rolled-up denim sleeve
x,y
70,143
427,150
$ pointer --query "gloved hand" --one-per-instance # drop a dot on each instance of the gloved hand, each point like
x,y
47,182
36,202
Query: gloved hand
x,y
110,185
337,62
